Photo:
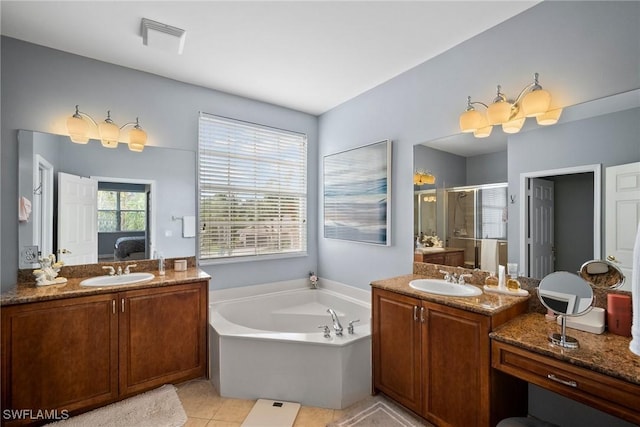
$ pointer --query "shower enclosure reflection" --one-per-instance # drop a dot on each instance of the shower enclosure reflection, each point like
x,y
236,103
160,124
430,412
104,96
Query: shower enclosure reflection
x,y
472,221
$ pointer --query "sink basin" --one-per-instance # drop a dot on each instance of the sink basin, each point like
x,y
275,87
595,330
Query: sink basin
x,y
124,279
441,287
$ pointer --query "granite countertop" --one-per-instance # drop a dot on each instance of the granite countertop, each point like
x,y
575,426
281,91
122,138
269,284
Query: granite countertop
x,y
487,304
606,353
27,292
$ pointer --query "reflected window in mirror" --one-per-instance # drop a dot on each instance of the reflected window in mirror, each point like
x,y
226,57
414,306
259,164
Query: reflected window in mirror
x,y
167,175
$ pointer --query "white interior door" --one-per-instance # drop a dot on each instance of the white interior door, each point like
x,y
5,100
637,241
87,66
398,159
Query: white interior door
x,y
622,215
541,256
77,219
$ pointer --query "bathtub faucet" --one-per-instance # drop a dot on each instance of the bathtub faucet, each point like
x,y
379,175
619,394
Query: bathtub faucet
x,y
336,322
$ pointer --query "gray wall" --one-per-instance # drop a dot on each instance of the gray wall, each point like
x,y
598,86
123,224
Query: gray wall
x,y
487,168
424,104
611,139
573,220
40,88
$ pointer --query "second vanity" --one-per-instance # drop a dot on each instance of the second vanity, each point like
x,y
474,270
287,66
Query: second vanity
x,y
74,348
431,351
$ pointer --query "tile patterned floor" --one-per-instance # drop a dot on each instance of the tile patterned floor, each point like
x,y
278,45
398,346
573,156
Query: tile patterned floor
x,y
206,408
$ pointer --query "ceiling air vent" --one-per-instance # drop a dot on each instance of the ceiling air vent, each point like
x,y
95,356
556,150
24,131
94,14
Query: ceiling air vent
x,y
162,36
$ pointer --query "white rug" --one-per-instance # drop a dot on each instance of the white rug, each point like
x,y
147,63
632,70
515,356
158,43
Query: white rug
x,y
156,408
378,412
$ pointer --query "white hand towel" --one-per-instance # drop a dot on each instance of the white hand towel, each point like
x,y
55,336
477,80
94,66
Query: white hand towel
x,y
489,255
634,346
24,209
189,226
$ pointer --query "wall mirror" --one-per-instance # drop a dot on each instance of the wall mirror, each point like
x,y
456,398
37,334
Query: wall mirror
x,y
456,161
566,294
464,217
140,198
602,274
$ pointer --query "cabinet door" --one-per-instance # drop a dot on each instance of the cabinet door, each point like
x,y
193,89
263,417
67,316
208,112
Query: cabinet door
x,y
456,366
163,336
60,354
454,259
396,347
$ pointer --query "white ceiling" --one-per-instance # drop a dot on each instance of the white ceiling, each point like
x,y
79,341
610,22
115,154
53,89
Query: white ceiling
x,y
305,55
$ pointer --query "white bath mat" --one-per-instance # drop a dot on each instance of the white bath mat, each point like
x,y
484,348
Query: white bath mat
x,y
272,413
156,408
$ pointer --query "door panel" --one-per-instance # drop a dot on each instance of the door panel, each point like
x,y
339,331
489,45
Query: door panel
x,y
396,348
541,239
77,219
622,215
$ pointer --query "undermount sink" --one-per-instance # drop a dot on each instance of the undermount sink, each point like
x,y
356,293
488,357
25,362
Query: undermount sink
x,y
115,280
442,287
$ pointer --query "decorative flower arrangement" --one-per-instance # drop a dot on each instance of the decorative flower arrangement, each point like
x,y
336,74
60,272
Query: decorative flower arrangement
x,y
313,279
431,241
47,274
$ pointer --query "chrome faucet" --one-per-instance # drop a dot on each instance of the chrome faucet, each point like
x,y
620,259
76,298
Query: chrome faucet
x,y
462,277
449,277
110,269
119,273
336,322
127,268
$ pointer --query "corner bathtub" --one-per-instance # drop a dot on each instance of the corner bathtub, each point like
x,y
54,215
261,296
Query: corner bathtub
x,y
270,346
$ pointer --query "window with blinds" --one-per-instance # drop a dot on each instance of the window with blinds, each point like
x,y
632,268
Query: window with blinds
x,y
493,213
252,189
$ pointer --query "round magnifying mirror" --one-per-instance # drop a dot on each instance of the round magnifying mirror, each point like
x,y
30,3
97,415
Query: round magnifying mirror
x,y
602,274
565,294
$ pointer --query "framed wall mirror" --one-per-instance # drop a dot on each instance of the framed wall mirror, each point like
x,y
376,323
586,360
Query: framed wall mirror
x,y
92,204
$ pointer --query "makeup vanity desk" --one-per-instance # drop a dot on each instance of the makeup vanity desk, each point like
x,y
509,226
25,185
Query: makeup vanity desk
x,y
603,373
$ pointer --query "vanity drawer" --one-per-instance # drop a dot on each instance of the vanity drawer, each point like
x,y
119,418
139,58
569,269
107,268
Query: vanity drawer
x,y
617,397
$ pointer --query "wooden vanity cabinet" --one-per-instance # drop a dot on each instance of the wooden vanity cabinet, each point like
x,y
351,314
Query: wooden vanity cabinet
x,y
83,352
162,336
451,257
436,361
60,354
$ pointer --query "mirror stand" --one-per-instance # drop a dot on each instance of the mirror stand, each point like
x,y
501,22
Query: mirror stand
x,y
561,339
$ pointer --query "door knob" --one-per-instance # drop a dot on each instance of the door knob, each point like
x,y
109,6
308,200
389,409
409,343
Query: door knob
x,y
612,259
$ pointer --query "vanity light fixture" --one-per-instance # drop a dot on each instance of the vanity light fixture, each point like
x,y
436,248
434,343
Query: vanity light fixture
x,y
109,132
421,178
533,101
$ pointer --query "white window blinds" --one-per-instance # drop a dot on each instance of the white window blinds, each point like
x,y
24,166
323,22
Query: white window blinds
x,y
252,189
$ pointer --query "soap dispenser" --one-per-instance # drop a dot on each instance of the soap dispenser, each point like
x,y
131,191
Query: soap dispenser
x,y
513,284
491,280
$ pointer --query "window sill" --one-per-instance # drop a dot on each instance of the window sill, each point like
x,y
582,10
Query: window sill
x,y
241,259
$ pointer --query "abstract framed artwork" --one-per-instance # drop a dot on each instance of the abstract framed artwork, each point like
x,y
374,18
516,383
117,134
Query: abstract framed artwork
x,y
357,194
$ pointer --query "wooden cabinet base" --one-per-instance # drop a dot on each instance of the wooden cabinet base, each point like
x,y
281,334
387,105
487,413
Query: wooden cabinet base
x,y
435,360
605,393
80,353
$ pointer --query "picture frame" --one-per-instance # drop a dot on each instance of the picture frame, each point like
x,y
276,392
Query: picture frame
x,y
357,194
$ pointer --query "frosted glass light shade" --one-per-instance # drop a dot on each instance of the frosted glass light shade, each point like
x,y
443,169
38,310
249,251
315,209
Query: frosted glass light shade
x,y
499,112
536,103
471,120
137,139
78,130
109,134
549,118
513,126
428,179
483,132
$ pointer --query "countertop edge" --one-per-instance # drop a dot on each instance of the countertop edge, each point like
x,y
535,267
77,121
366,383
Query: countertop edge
x,y
400,284
26,293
